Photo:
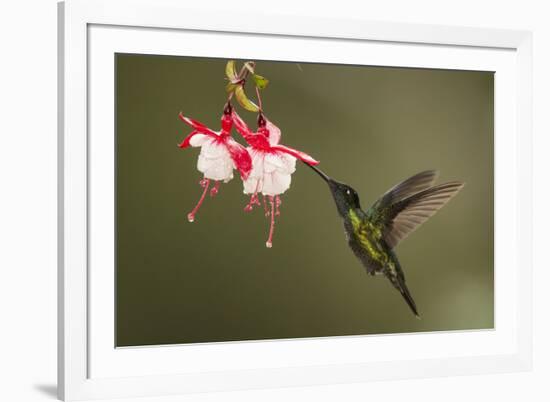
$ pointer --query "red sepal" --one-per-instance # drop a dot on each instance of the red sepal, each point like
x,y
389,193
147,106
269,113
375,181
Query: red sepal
x,y
197,125
297,154
240,125
240,156
186,142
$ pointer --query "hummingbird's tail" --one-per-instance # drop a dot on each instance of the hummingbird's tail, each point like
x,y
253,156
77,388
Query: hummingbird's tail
x,y
399,283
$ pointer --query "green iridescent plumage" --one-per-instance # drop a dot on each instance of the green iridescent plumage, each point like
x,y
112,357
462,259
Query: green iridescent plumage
x,y
373,234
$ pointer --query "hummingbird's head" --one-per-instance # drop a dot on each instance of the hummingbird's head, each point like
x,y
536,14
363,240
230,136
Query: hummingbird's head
x,y
346,197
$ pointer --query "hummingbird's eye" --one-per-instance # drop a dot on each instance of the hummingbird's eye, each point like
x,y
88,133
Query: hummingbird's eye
x,y
348,192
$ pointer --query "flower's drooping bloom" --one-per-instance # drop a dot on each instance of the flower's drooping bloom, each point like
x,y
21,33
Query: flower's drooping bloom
x,y
219,155
272,166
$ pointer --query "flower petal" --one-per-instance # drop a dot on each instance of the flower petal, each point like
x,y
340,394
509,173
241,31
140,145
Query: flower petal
x,y
213,150
198,140
276,183
252,185
197,125
272,162
281,182
289,163
216,169
297,154
280,162
215,161
190,140
240,156
258,157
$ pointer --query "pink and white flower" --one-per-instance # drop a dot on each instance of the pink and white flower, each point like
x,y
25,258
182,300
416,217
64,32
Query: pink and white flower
x,y
219,155
272,166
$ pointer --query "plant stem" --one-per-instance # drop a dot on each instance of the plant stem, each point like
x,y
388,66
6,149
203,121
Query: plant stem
x,y
243,74
259,99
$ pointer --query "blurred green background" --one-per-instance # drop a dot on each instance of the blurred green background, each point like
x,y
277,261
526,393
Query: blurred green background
x,y
214,279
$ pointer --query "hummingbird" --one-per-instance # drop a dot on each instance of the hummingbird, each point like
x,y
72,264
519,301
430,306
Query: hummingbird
x,y
373,234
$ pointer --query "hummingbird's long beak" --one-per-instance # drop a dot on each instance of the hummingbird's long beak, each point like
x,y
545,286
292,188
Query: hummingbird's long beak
x,y
320,173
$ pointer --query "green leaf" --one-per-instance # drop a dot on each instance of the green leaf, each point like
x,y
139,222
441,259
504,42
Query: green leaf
x,y
261,82
230,87
230,71
244,101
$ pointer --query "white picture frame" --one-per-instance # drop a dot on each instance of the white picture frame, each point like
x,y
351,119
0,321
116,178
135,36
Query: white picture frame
x,y
89,365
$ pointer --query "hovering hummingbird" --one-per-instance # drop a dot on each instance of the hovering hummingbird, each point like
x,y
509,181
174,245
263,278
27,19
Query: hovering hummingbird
x,y
373,234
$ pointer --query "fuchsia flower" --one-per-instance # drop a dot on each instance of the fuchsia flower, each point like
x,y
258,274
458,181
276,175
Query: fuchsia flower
x,y
219,155
272,166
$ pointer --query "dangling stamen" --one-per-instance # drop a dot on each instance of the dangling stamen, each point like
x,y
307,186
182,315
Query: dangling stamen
x,y
203,183
265,206
215,189
269,242
278,203
254,199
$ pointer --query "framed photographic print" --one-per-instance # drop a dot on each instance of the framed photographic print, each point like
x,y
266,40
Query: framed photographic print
x,y
292,202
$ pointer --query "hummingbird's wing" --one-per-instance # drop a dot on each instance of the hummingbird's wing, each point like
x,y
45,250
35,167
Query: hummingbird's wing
x,y
414,184
400,218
